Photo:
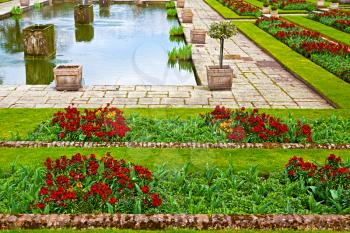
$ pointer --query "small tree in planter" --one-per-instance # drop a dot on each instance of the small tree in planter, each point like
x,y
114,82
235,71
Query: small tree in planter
x,y
274,11
220,77
266,7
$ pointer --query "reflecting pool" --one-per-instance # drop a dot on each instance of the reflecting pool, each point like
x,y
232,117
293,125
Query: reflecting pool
x,y
126,44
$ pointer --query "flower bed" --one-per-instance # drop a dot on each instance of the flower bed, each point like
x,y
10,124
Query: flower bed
x,y
294,5
89,185
86,184
235,128
334,57
334,18
241,7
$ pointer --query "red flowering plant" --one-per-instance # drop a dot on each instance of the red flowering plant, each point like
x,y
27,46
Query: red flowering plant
x,y
331,55
334,18
101,124
241,7
251,126
326,180
89,185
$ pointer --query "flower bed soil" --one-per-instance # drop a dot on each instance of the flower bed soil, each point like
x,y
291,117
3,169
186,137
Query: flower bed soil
x,y
162,221
266,145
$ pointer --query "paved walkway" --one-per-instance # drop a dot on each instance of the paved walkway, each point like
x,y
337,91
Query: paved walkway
x,y
260,82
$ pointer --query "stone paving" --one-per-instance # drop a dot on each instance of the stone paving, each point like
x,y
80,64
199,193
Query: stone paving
x,y
260,82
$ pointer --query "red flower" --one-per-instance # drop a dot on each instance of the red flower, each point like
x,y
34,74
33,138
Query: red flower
x,y
61,135
291,173
145,189
112,200
40,205
156,200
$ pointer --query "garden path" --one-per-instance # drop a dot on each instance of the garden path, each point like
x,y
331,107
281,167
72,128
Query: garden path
x,y
260,80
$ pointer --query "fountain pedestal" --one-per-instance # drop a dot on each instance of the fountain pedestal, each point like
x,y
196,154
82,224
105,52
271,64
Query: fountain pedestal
x,y
39,41
83,14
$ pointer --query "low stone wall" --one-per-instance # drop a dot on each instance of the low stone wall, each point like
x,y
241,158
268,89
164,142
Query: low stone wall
x,y
33,144
162,221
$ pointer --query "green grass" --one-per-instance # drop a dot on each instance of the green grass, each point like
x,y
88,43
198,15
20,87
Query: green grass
x,y
224,11
259,4
164,231
266,160
335,89
22,121
327,31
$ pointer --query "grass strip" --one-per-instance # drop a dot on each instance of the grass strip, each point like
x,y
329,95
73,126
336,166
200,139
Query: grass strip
x,y
329,85
21,121
266,160
259,4
325,30
224,11
164,231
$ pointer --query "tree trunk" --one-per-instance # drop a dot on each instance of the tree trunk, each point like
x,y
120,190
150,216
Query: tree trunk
x,y
221,51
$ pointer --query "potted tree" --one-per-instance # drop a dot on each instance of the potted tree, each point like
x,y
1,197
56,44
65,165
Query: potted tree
x,y
266,7
334,4
220,77
274,11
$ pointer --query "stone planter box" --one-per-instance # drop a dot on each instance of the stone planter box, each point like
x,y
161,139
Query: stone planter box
x,y
334,5
68,77
24,2
197,36
83,14
105,3
265,10
39,41
320,3
219,78
180,3
274,13
186,15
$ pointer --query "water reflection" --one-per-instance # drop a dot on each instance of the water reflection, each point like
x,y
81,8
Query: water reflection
x,y
105,12
181,65
84,33
11,36
39,71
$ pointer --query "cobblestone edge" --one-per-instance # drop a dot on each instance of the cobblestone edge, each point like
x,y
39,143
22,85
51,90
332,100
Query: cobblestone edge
x,y
34,144
162,221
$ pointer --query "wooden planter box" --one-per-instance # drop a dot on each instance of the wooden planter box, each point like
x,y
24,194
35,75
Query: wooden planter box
x,y
186,15
83,14
68,77
265,10
104,3
219,79
24,2
180,3
334,5
39,41
197,36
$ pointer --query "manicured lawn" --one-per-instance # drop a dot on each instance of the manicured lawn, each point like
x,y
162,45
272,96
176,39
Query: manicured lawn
x,y
165,231
225,11
259,4
23,121
266,160
335,89
327,31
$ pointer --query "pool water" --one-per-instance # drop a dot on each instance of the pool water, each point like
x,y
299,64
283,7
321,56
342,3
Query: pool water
x,y
126,45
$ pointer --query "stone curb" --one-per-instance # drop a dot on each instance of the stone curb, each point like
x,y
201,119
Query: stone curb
x,y
162,221
33,144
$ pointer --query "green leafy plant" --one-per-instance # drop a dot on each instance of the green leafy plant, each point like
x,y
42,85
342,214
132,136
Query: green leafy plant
x,y
176,31
171,12
16,10
266,3
182,53
37,5
170,5
222,30
274,7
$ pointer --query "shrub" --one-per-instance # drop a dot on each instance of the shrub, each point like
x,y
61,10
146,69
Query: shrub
x,y
176,31
87,185
183,53
101,124
170,5
16,10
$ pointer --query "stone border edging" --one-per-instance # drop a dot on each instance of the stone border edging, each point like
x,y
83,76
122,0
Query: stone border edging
x,y
162,221
34,144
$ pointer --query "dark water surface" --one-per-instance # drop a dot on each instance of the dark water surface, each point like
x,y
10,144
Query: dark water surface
x,y
125,45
